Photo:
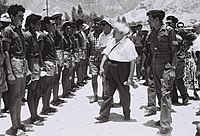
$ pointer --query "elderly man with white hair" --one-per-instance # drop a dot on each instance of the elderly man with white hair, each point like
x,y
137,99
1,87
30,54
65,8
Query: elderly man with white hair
x,y
120,54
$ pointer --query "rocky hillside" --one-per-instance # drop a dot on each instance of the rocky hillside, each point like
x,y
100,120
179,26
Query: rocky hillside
x,y
134,10
187,11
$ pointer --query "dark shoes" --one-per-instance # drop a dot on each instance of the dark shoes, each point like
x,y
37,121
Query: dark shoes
x,y
5,110
11,131
165,132
48,111
127,118
158,123
57,102
102,119
198,113
68,95
38,121
150,113
26,128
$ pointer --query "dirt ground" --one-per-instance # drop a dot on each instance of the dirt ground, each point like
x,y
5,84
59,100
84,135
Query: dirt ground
x,y
77,117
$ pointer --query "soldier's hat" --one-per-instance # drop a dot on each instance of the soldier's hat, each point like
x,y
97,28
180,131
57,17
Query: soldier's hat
x,y
65,24
79,22
56,15
32,18
173,19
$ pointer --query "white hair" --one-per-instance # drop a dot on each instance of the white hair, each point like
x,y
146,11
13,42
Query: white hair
x,y
121,27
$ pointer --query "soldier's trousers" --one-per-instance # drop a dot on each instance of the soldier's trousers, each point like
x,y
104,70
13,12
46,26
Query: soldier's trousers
x,y
66,81
163,87
151,93
16,92
166,103
56,83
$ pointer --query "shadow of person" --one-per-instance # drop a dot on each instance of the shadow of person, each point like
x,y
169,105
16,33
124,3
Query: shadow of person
x,y
119,118
152,124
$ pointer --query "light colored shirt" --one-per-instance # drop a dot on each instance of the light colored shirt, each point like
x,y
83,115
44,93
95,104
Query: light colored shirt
x,y
123,52
196,44
103,39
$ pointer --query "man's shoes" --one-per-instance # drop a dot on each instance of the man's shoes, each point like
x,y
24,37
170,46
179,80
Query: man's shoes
x,y
150,113
198,113
5,110
93,99
26,128
165,131
102,119
145,83
11,131
127,118
158,123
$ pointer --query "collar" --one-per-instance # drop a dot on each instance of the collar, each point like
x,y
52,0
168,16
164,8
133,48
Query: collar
x,y
122,40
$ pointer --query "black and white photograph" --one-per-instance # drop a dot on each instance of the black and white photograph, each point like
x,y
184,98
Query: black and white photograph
x,y
100,67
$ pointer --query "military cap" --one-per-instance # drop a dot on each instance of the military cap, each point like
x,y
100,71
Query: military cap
x,y
97,20
173,19
65,24
156,13
56,15
79,22
32,18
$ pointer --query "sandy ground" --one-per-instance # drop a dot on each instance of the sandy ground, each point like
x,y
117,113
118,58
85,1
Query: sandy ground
x,y
76,117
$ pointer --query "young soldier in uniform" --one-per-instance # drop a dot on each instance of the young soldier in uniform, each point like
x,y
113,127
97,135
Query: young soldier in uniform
x,y
120,54
17,69
163,44
180,69
5,20
34,57
67,71
82,41
47,45
58,39
3,83
95,57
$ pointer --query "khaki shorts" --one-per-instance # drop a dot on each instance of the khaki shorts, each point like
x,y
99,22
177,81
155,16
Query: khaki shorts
x,y
20,67
60,57
50,67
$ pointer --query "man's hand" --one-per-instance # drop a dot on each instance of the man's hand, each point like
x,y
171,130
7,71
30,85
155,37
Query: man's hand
x,y
128,82
172,73
143,70
11,78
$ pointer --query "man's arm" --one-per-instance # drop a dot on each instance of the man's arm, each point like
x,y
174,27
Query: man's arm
x,y
101,72
6,48
174,44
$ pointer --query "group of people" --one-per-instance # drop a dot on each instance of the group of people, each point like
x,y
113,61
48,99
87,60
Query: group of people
x,y
49,50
